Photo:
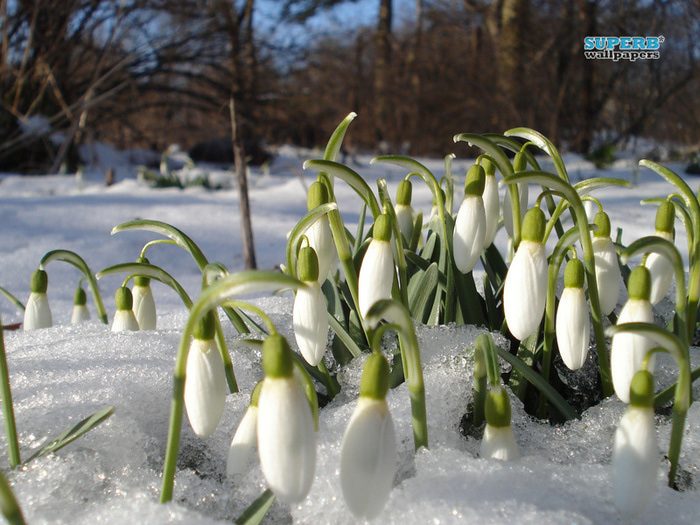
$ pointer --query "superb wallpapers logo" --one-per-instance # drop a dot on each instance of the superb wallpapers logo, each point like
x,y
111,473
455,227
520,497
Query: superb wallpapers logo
x,y
622,47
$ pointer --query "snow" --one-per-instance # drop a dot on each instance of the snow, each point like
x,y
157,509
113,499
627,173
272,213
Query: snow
x,y
112,474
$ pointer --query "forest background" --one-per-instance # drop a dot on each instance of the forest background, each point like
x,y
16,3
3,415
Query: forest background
x,y
150,73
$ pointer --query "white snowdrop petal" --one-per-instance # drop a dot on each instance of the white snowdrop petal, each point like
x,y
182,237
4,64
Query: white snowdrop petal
x,y
499,443
368,458
144,307
205,387
286,439
661,270
607,273
492,209
37,313
243,442
80,314
310,322
321,240
525,289
124,320
635,460
404,216
573,327
627,350
376,275
469,233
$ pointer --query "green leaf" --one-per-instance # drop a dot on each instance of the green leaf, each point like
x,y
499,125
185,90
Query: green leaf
x,y
151,271
344,336
587,186
336,140
542,142
421,289
254,514
73,433
488,146
12,298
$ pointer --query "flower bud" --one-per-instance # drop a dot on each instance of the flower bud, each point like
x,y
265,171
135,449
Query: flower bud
x,y
80,311
607,268
404,212
319,233
572,323
470,224
376,275
498,441
124,318
245,437
309,315
37,313
492,203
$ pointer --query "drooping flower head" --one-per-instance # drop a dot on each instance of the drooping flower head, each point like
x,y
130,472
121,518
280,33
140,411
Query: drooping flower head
x,y
470,224
607,268
498,441
404,211
572,324
309,316
37,313
660,267
377,270
286,433
144,304
245,437
635,459
492,202
205,383
368,451
80,311
124,318
628,350
525,288
319,233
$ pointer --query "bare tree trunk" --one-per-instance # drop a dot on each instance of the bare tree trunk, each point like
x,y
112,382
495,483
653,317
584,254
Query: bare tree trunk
x,y
513,20
241,177
382,39
412,60
588,15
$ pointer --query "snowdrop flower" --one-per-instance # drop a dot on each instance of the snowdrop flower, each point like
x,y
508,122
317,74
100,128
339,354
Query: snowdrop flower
x,y
498,441
635,464
245,438
627,351
124,318
525,288
286,434
607,268
309,316
492,203
205,380
368,450
659,265
572,325
470,224
80,311
144,304
404,211
377,270
319,233
37,313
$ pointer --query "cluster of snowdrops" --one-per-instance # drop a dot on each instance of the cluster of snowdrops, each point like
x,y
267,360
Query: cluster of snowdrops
x,y
367,290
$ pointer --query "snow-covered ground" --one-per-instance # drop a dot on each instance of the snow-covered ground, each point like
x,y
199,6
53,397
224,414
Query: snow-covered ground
x,y
112,475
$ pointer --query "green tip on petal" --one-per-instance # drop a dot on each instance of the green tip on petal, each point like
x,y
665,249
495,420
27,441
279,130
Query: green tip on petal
x,y
124,299
307,265
382,228
639,285
404,192
573,274
255,394
519,162
534,224
277,359
140,280
497,408
205,329
665,217
80,297
39,281
475,181
602,221
375,377
642,389
318,195
489,167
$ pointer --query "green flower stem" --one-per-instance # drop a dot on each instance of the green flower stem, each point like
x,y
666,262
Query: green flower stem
x,y
400,256
78,262
12,298
668,250
7,406
8,503
683,396
153,243
449,183
565,242
397,313
234,303
210,273
211,297
570,194
693,206
332,386
151,271
542,142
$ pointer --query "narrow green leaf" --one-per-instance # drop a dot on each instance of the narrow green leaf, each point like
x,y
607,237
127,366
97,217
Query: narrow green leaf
x,y
12,298
587,186
421,289
544,144
344,336
254,514
336,140
151,271
488,146
73,433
